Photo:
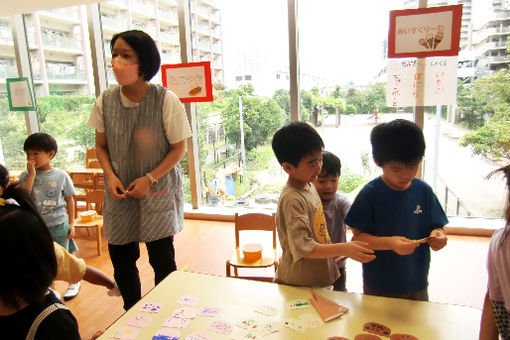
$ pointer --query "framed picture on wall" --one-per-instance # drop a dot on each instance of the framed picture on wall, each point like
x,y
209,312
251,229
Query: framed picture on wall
x,y
425,32
191,82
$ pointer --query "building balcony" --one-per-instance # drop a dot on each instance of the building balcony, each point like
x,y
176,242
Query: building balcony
x,y
169,17
114,4
65,76
8,71
113,24
61,44
142,9
66,15
172,3
5,35
171,38
497,60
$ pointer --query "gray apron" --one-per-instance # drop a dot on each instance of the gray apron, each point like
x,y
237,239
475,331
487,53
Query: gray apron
x,y
137,144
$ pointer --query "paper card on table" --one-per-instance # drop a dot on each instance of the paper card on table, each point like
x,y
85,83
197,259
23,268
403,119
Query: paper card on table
x,y
364,336
140,321
337,338
174,322
327,309
210,311
298,304
243,334
269,328
188,300
126,333
248,323
266,310
198,336
377,328
397,336
167,334
220,327
150,307
185,313
295,324
311,320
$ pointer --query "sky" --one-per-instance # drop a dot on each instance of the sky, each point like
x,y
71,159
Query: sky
x,y
338,39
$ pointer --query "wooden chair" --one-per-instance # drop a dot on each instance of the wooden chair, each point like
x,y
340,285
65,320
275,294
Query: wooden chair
x,y
253,222
92,230
91,160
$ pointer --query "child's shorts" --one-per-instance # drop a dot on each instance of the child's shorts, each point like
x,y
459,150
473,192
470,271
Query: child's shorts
x,y
60,234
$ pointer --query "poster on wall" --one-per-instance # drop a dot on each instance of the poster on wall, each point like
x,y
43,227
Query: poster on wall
x,y
191,82
425,32
434,84
19,94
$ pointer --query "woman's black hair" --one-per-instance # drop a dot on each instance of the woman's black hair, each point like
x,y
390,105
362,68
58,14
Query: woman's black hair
x,y
27,256
146,49
4,177
506,172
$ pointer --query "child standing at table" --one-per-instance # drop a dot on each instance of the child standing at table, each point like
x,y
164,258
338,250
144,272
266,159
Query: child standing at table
x,y
495,321
307,253
52,190
335,207
392,212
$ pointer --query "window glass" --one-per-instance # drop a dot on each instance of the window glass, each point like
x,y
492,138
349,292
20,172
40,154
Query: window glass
x,y
245,57
13,130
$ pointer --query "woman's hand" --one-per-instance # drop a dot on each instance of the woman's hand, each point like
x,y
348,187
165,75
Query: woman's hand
x,y
139,188
115,188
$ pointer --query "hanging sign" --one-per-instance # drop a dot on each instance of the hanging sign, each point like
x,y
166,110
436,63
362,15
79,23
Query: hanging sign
x,y
191,82
19,94
425,32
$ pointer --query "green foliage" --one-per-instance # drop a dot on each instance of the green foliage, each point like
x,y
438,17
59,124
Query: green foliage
x,y
350,181
365,101
489,102
350,109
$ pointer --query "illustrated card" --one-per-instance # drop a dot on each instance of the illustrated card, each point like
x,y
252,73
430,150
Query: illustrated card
x,y
185,313
295,324
243,334
188,300
298,304
266,310
220,327
248,324
150,307
269,328
210,311
140,321
311,320
174,322
167,334
198,336
126,333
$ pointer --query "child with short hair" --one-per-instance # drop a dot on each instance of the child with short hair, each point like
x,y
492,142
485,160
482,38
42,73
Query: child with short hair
x,y
28,309
495,320
52,190
398,215
335,207
307,253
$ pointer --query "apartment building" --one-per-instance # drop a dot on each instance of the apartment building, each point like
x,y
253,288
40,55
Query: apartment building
x,y
59,44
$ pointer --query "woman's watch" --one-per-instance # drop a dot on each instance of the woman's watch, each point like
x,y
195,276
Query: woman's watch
x,y
154,181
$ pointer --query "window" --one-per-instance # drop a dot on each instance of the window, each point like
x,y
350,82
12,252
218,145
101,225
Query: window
x,y
239,78
247,77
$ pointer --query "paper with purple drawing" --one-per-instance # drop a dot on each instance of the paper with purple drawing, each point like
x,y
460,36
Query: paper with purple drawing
x,y
140,321
210,311
167,334
185,313
188,300
220,327
150,307
126,333
174,322
269,328
198,336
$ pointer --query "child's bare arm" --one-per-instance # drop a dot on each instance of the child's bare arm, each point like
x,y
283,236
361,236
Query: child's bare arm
x,y
29,183
70,214
355,250
97,277
488,329
399,244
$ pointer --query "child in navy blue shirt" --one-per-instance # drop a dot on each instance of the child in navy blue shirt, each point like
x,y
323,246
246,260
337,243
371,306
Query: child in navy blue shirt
x,y
398,215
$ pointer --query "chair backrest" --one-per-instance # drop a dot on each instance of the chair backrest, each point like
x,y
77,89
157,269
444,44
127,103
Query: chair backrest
x,y
255,221
95,200
91,160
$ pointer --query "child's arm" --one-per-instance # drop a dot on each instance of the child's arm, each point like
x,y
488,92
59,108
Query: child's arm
x,y
438,239
70,214
29,183
398,244
355,250
97,277
488,329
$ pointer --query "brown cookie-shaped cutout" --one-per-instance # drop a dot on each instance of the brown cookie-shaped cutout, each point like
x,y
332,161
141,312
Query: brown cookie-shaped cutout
x,y
366,337
195,91
337,338
402,337
377,328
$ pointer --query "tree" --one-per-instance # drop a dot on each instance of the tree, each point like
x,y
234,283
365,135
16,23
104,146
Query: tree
x,y
492,139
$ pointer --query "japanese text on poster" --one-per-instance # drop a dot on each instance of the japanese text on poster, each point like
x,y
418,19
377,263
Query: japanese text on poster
x,y
434,84
191,82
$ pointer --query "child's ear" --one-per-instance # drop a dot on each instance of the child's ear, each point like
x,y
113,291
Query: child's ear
x,y
287,167
52,154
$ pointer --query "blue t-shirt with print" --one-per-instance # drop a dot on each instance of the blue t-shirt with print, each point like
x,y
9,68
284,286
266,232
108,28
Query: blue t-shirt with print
x,y
412,213
49,192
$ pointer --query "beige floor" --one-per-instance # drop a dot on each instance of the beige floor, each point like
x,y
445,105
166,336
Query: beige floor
x,y
457,274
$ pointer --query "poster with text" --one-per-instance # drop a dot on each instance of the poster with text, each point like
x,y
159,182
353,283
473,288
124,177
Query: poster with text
x,y
19,94
425,32
191,82
422,82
